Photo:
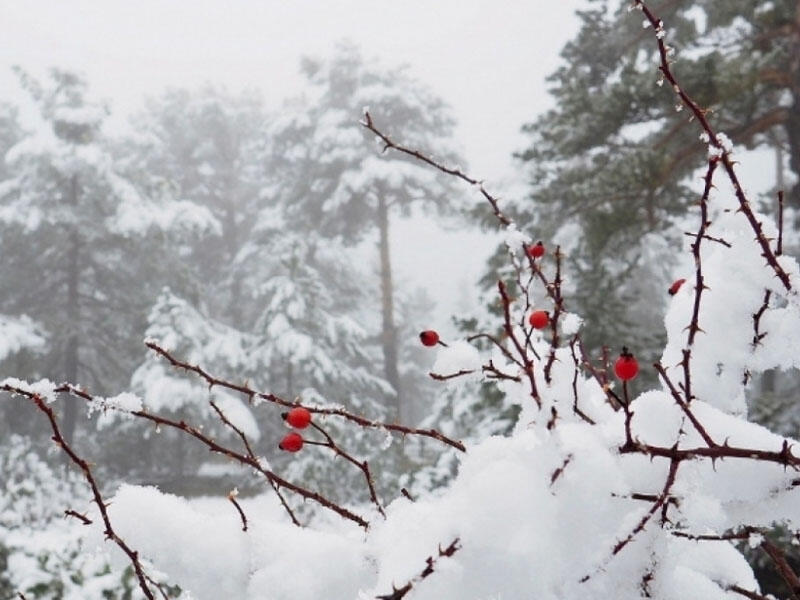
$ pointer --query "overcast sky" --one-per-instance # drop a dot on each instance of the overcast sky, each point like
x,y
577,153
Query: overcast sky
x,y
487,58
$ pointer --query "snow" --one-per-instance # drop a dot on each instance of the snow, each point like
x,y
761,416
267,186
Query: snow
x,y
19,333
457,356
570,323
514,239
518,504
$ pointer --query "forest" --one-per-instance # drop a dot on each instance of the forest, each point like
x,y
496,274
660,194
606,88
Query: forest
x,y
213,384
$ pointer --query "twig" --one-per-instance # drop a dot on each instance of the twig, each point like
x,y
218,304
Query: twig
x,y
558,301
748,593
461,373
252,455
758,335
684,406
575,408
782,565
509,329
710,238
362,466
430,564
560,470
82,518
455,172
232,498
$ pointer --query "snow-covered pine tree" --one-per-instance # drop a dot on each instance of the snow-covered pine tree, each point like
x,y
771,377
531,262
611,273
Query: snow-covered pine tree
x,y
204,145
308,343
330,181
70,217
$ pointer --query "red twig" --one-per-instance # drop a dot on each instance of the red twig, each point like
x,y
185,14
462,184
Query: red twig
x,y
558,308
252,455
521,351
684,406
362,466
242,516
430,564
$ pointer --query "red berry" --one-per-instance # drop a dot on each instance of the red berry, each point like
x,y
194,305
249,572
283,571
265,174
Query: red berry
x,y
537,250
676,285
298,417
429,337
539,319
626,367
291,442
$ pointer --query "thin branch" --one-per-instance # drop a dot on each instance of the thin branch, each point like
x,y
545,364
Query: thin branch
x,y
575,408
783,567
455,172
362,466
83,465
232,498
684,406
779,249
710,238
748,593
509,329
430,564
558,308
715,141
757,334
82,518
252,455
339,412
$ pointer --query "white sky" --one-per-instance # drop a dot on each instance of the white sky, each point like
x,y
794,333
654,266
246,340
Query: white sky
x,y
487,58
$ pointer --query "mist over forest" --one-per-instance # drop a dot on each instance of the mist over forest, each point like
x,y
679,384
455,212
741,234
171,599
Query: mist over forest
x,y
251,330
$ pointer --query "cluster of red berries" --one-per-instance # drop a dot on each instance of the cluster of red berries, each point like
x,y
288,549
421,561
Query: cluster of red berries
x,y
299,418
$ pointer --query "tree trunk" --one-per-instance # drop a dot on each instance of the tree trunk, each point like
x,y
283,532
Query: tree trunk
x,y
231,237
389,331
793,121
71,351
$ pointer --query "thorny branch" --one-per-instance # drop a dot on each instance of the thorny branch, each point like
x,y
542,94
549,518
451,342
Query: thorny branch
x,y
430,564
558,308
694,325
455,172
716,142
521,350
216,448
362,466
252,455
339,412
97,497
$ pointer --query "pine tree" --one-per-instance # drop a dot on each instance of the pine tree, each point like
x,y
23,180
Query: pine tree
x,y
203,145
332,180
69,216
